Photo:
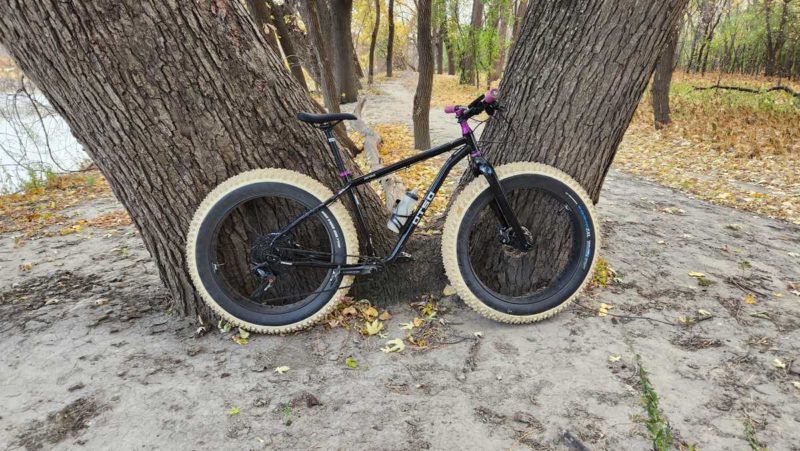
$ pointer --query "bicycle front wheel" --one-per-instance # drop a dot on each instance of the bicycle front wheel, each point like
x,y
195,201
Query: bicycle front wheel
x,y
498,280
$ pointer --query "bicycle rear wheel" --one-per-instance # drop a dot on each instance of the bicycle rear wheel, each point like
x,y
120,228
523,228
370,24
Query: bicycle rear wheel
x,y
503,283
234,257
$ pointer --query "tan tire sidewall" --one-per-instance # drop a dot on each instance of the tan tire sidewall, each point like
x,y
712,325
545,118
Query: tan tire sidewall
x,y
297,180
456,215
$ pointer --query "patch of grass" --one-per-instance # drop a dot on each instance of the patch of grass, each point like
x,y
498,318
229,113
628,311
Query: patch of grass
x,y
658,426
286,415
750,436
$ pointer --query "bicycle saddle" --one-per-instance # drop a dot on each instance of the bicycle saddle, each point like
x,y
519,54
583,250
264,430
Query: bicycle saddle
x,y
324,118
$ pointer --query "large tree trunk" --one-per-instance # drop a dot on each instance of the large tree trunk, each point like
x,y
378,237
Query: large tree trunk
x,y
280,15
588,103
451,20
169,100
422,98
320,44
390,41
374,40
346,79
469,70
662,77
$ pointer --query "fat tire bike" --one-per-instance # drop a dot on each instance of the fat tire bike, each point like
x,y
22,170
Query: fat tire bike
x,y
275,251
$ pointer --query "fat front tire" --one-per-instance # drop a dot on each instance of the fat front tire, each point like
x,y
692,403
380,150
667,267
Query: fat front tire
x,y
207,222
513,307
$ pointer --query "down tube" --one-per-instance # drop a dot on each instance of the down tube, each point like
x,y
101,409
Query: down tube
x,y
408,230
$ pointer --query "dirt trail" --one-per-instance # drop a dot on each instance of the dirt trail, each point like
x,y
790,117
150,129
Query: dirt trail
x,y
91,358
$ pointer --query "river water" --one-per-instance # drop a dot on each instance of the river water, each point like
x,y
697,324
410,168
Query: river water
x,y
33,146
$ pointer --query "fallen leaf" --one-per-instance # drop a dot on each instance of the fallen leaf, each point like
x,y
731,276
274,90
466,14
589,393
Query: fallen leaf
x,y
395,345
370,313
282,369
385,316
614,358
234,411
478,334
51,301
26,267
243,333
373,328
603,309
448,291
702,312
777,363
796,384
351,362
750,299
777,295
696,274
407,326
239,340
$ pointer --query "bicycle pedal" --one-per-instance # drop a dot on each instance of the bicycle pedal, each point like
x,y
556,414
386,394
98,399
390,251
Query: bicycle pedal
x,y
405,257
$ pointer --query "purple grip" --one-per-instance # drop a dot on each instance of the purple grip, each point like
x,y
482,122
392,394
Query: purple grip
x,y
490,96
450,109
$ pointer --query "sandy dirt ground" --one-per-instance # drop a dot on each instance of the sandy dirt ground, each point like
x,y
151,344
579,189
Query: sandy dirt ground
x,y
91,357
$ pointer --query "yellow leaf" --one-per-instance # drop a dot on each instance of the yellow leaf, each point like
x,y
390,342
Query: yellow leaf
x,y
282,369
395,345
385,316
777,363
614,358
373,328
696,274
406,326
351,362
369,313
750,299
233,411
418,322
796,384
777,295
603,309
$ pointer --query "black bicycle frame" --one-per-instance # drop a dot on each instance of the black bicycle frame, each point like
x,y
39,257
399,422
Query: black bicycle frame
x,y
466,145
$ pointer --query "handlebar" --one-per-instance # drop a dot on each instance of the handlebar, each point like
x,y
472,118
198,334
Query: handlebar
x,y
485,102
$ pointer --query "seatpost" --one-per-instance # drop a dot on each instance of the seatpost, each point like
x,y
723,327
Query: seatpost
x,y
337,155
361,223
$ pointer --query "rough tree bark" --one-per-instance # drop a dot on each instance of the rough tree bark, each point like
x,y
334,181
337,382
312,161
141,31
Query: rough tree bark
x,y
390,41
280,13
451,20
662,77
341,13
169,100
775,38
323,55
422,98
373,40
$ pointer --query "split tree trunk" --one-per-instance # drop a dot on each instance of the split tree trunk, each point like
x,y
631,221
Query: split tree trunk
x,y
662,77
374,40
390,41
170,100
422,98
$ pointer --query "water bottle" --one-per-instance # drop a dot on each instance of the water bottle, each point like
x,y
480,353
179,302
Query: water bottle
x,y
402,210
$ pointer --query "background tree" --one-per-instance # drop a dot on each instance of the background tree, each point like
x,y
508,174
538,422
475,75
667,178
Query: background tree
x,y
390,41
422,97
469,52
281,18
662,77
329,92
341,12
373,41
